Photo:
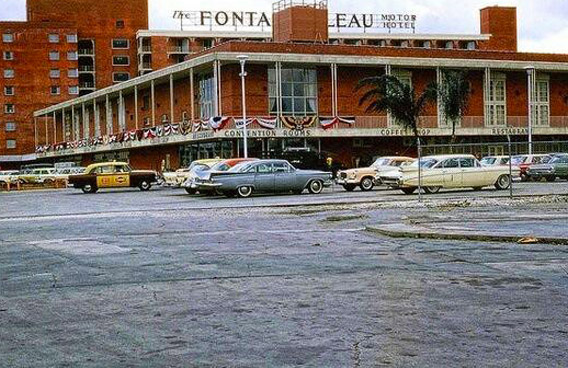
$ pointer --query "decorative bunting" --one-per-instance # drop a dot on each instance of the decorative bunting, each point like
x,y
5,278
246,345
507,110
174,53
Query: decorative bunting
x,y
297,123
267,123
149,133
218,122
185,127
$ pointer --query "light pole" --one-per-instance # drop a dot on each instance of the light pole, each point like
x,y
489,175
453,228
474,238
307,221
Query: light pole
x,y
531,77
242,60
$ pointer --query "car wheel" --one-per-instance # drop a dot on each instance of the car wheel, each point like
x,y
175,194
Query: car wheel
x,y
315,187
89,189
432,190
503,182
367,184
144,186
349,187
244,191
551,179
190,191
408,190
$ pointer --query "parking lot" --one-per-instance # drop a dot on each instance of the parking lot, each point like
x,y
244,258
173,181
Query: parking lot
x,y
161,278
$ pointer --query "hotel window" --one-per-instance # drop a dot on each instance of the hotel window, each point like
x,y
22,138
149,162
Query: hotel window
x,y
10,126
54,73
120,43
9,73
54,55
426,44
8,55
299,92
9,109
206,97
449,45
72,38
55,90
7,37
10,143
72,55
471,45
120,60
120,24
53,38
73,90
207,43
8,90
120,77
541,103
496,100
73,73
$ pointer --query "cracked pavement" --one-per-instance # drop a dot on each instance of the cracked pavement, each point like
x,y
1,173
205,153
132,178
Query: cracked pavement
x,y
169,280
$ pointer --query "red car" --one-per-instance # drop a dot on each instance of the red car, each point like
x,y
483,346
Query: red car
x,y
221,166
526,161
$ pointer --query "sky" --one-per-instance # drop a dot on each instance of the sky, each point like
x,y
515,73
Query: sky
x,y
542,24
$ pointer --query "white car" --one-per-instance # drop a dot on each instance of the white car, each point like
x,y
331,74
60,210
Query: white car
x,y
495,161
449,171
38,176
8,177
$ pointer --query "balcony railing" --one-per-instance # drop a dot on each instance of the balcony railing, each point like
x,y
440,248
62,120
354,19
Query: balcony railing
x,y
179,50
86,68
86,52
145,66
145,48
87,85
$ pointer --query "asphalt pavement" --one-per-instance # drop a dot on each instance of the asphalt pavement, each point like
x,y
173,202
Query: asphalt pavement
x,y
161,279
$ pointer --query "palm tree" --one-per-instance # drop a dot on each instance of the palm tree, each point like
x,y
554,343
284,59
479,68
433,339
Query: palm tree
x,y
454,94
387,93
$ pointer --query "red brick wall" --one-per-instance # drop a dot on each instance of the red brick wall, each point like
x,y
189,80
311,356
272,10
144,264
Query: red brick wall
x,y
501,23
300,24
32,83
558,95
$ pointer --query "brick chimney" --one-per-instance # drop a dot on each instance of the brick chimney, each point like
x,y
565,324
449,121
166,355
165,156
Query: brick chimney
x,y
501,23
300,21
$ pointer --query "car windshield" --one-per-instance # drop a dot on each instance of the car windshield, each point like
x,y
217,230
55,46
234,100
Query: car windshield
x,y
243,166
221,166
198,167
545,159
516,160
381,162
488,160
425,163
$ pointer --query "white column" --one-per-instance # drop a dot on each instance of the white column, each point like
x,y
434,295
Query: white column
x,y
153,102
85,118
108,120
216,89
121,113
171,99
46,130
136,106
73,124
219,89
486,87
97,117
192,93
279,92
438,98
54,128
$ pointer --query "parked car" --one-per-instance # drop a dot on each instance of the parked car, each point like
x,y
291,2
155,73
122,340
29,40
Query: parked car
x,y
557,167
38,176
178,177
8,177
191,184
495,161
63,173
367,177
266,176
525,161
112,175
448,171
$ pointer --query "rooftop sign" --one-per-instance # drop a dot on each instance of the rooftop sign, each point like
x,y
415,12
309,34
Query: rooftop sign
x,y
205,19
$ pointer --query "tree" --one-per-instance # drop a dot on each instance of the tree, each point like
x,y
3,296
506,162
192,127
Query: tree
x,y
454,94
387,93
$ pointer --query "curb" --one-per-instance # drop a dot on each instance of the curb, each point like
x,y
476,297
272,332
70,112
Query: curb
x,y
414,232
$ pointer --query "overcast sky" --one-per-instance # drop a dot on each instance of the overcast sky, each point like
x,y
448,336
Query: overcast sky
x,y
543,25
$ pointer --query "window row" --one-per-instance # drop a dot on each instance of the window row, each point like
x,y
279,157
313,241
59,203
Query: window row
x,y
56,73
52,38
10,126
71,55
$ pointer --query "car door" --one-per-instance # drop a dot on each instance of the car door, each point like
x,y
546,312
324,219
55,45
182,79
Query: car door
x,y
105,176
471,175
451,173
264,177
121,177
562,167
284,177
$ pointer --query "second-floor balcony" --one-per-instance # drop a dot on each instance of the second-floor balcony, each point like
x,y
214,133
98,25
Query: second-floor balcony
x,y
86,52
179,50
86,69
145,49
145,66
87,85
